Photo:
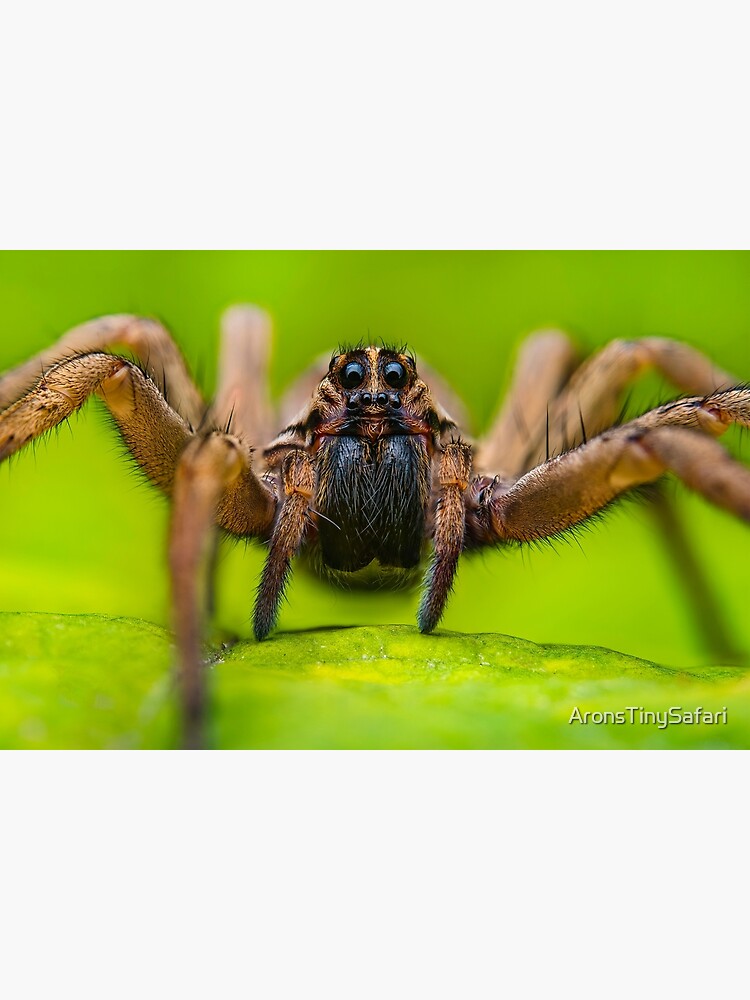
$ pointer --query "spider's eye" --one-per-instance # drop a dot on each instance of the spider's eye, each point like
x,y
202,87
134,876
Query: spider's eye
x,y
353,375
395,375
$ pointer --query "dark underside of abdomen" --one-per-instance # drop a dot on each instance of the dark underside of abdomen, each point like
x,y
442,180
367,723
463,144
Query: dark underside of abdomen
x,y
372,497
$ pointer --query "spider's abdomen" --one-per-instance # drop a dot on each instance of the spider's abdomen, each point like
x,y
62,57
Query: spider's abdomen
x,y
373,497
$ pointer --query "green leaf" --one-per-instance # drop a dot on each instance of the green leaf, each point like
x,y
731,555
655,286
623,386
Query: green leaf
x,y
81,681
93,681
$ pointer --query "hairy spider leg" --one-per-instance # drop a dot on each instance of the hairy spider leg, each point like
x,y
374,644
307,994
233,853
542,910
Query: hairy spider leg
x,y
531,428
133,400
298,480
150,342
208,474
591,400
544,362
566,490
243,404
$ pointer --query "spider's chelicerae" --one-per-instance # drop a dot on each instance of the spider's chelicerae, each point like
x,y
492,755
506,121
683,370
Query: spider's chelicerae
x,y
371,469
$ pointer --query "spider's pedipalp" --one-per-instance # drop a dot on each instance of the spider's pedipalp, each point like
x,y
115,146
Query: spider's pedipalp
x,y
448,533
298,479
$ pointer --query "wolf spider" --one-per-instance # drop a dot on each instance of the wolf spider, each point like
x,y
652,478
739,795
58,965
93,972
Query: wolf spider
x,y
372,470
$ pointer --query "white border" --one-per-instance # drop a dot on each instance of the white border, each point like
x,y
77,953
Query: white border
x,y
373,874
390,125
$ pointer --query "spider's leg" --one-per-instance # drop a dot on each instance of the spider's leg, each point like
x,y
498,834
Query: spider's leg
x,y
213,478
569,489
707,610
703,465
544,362
149,341
591,401
448,537
214,484
206,468
210,478
154,433
243,404
298,481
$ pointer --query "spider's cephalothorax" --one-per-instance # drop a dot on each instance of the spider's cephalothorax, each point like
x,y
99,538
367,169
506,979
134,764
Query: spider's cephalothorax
x,y
372,472
371,431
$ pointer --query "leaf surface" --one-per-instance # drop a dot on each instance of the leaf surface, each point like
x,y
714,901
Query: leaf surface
x,y
93,681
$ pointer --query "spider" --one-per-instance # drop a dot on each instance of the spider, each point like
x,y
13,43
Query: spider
x,y
371,471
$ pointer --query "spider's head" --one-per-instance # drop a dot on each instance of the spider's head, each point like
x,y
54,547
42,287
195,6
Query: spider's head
x,y
372,392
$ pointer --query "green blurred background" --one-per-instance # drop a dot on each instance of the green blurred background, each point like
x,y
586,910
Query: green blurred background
x,y
80,533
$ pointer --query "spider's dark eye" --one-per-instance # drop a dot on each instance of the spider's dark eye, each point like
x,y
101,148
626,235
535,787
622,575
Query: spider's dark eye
x,y
395,375
353,375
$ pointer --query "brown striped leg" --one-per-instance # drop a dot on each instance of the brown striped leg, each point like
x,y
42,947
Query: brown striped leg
x,y
591,401
707,610
149,341
243,404
448,537
207,467
567,490
210,478
214,485
703,465
154,433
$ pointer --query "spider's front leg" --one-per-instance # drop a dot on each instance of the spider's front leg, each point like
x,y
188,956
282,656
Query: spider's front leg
x,y
149,341
214,483
208,475
154,433
565,491
548,411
